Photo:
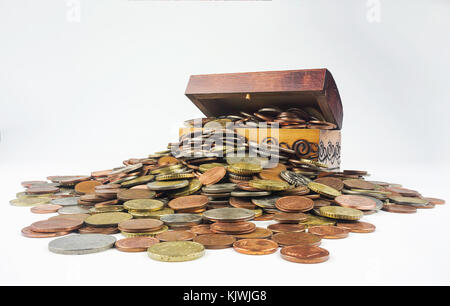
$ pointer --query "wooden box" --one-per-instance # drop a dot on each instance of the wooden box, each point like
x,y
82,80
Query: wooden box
x,y
224,94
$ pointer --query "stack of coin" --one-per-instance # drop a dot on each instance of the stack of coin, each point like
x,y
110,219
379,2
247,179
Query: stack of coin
x,y
142,227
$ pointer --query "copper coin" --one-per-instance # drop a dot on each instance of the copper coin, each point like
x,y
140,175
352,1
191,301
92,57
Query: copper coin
x,y
329,231
167,160
28,232
140,225
359,184
79,217
435,201
86,187
134,194
258,233
45,209
401,209
101,173
135,244
297,191
270,175
28,184
56,225
285,227
255,246
284,217
176,236
107,203
42,190
264,217
356,201
233,227
201,229
241,202
332,182
215,241
321,203
357,226
294,204
105,194
107,186
91,198
212,176
295,238
403,191
246,187
98,230
304,254
188,202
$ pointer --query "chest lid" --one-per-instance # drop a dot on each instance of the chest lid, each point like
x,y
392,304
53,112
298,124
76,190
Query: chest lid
x,y
230,93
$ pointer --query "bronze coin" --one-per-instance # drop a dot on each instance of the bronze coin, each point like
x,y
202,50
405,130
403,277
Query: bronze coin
x,y
86,187
135,244
401,209
167,160
28,184
90,198
176,236
435,201
42,190
98,230
295,238
283,217
215,241
321,203
286,227
329,231
107,203
246,187
356,201
135,194
297,191
403,191
332,182
188,202
243,227
258,233
264,217
357,226
140,225
28,232
255,246
212,176
56,225
294,204
359,184
101,173
201,229
45,209
304,254
241,202
270,175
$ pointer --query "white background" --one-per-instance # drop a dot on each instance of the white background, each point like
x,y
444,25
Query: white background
x,y
82,96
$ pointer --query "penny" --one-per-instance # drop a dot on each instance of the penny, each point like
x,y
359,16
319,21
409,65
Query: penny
x,y
343,213
69,210
283,217
296,238
98,230
298,191
176,251
329,232
135,244
229,214
167,160
403,191
86,187
107,219
143,205
241,203
140,225
69,201
294,204
42,190
358,184
258,233
80,217
188,202
435,201
45,209
167,185
201,229
56,225
304,254
331,182
246,187
270,175
135,194
81,244
28,184
355,201
357,226
286,227
402,209
264,217
231,228
215,241
212,176
255,246
28,232
176,236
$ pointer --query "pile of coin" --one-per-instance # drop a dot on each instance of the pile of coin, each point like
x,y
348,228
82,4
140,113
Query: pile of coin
x,y
176,203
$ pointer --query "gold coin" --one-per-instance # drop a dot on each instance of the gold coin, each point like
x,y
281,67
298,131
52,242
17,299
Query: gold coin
x,y
143,205
174,176
166,170
138,181
342,213
205,167
317,221
324,190
244,168
258,212
194,186
270,185
104,209
28,202
107,219
175,251
151,214
145,234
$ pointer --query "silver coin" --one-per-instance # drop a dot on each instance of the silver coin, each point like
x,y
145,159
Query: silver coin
x,y
295,179
180,219
161,185
250,193
69,201
229,214
379,205
127,169
219,188
71,210
81,244
265,202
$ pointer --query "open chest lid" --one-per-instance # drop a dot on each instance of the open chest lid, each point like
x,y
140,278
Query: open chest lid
x,y
230,93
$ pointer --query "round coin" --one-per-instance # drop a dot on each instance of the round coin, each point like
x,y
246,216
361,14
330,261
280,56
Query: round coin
x,y
283,217
107,219
140,225
294,204
45,209
176,236
189,202
255,246
258,233
86,187
135,244
357,226
332,182
401,209
359,184
329,232
435,201
343,213
56,225
212,176
135,194
323,190
167,185
296,238
81,244
28,232
70,210
215,241
304,254
144,205
357,202
229,214
286,227
175,251
68,201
